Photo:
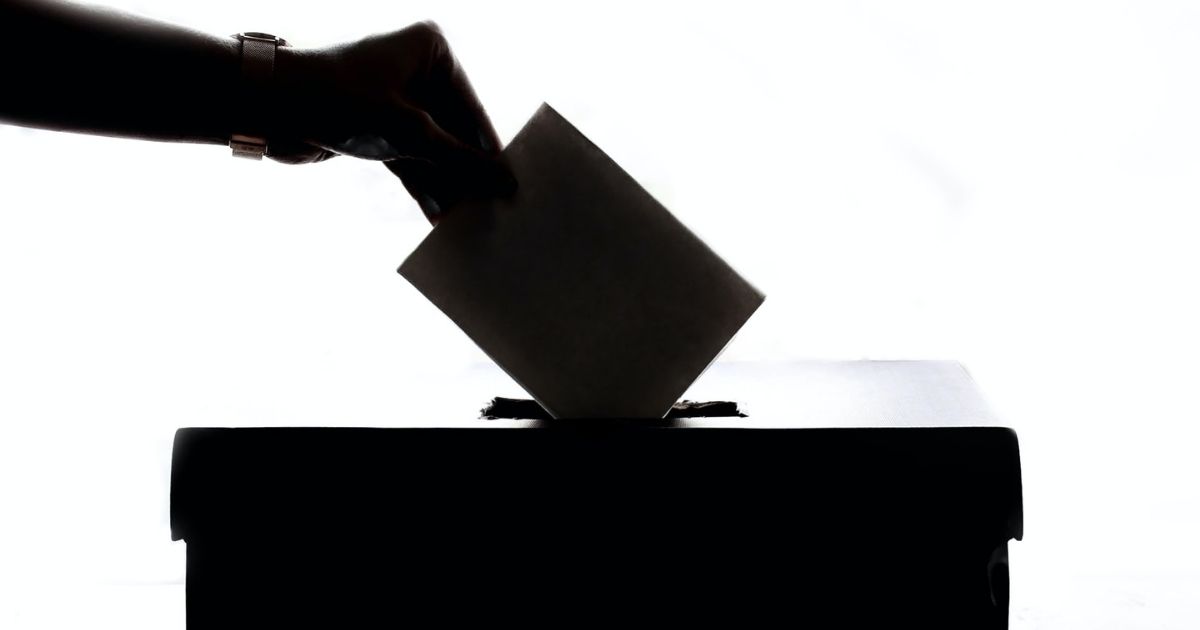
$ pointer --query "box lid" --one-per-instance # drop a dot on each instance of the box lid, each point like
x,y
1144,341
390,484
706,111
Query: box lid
x,y
917,471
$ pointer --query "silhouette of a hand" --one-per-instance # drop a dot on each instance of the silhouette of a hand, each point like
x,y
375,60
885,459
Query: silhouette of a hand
x,y
401,98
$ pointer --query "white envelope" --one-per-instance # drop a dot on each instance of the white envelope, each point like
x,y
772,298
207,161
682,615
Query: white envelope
x,y
581,286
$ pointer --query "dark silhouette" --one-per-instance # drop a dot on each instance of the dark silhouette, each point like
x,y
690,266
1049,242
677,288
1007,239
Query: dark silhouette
x,y
401,97
596,524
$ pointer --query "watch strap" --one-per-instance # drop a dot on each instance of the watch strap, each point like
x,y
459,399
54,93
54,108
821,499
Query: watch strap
x,y
253,107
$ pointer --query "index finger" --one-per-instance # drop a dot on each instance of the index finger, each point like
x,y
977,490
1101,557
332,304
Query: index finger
x,y
453,103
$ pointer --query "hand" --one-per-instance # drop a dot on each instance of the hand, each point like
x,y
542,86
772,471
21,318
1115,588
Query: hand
x,y
401,98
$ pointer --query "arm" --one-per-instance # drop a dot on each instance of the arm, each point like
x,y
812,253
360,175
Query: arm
x,y
76,68
400,97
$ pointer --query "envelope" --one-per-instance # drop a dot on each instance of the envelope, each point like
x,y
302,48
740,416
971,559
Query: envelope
x,y
581,286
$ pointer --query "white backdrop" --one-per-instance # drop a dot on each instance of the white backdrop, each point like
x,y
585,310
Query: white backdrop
x,y
1007,184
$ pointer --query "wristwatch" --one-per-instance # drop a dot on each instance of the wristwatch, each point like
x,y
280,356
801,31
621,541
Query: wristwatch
x,y
253,111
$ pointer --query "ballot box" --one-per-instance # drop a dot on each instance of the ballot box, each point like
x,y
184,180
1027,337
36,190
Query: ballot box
x,y
856,495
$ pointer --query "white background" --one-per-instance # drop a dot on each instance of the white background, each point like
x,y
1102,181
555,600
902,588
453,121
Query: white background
x,y
1008,184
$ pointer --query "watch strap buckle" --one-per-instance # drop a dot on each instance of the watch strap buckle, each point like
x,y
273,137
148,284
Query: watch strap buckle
x,y
248,147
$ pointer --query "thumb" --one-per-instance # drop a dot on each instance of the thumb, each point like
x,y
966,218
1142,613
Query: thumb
x,y
459,166
421,181
438,169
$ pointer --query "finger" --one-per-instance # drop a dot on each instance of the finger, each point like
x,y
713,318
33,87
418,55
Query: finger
x,y
451,100
461,106
457,164
442,171
419,180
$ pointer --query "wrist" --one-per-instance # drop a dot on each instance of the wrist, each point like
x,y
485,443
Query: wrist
x,y
301,80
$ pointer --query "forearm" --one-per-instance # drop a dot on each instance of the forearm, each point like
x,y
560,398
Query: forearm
x,y
87,69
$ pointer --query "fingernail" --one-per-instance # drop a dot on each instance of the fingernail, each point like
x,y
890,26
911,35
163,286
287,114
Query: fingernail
x,y
429,206
485,141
